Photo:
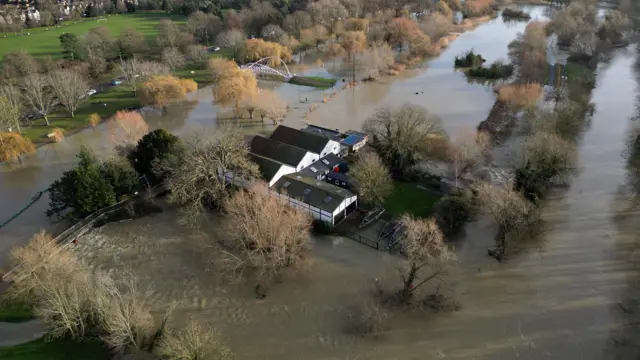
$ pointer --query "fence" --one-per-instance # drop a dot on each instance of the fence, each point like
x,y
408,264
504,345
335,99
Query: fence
x,y
359,238
83,226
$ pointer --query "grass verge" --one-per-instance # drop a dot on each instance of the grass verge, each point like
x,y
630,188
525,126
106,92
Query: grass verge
x,y
61,349
14,311
314,81
409,198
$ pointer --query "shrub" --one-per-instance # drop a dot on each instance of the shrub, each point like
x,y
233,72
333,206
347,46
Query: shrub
x,y
94,119
369,317
194,342
497,70
159,90
452,211
189,85
515,14
520,95
13,145
475,8
322,227
469,60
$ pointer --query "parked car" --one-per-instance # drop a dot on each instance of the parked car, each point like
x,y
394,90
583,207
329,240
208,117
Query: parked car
x,y
116,82
91,92
216,49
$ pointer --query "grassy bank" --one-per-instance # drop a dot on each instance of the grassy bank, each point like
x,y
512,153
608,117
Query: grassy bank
x,y
14,311
409,198
46,43
56,350
105,103
314,81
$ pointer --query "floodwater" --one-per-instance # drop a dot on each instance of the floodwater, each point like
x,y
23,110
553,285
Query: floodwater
x,y
575,298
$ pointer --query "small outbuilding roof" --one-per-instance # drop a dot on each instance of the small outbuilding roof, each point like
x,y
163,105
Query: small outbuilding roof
x,y
314,143
326,163
316,193
268,167
353,140
278,151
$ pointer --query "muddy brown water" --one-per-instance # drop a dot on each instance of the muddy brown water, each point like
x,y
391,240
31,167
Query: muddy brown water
x,y
570,300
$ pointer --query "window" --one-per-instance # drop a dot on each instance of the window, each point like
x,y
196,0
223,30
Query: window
x,y
287,184
307,191
313,169
327,199
325,161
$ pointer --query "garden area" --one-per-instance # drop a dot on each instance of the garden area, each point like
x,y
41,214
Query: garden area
x,y
410,198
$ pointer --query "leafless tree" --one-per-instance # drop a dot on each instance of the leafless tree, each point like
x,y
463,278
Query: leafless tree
x,y
273,33
436,25
133,69
514,215
377,59
38,95
327,13
198,176
233,39
11,108
404,135
467,152
70,88
427,253
194,342
372,178
173,58
264,234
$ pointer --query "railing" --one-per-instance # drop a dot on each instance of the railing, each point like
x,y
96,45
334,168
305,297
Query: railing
x,y
359,238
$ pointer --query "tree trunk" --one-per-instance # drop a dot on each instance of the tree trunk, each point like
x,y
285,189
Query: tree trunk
x,y
250,113
407,288
46,120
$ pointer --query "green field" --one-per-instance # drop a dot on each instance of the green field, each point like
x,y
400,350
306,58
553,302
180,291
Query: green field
x,y
46,43
14,311
56,350
116,98
408,198
314,81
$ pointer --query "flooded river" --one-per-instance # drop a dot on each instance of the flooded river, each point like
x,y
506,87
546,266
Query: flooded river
x,y
567,301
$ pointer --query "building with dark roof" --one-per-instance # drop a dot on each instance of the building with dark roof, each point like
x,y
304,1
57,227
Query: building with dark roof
x,y
319,169
283,153
312,142
270,169
322,200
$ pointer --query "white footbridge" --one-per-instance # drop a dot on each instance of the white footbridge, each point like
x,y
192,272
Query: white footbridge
x,y
260,67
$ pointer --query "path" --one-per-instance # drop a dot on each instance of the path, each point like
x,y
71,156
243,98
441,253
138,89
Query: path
x,y
12,334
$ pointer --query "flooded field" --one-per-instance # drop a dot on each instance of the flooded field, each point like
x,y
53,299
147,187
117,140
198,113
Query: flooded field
x,y
576,298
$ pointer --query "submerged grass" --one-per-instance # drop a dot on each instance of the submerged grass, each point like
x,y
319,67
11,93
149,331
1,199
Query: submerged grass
x,y
314,81
60,349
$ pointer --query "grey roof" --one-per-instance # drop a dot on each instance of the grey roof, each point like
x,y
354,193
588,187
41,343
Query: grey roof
x,y
319,130
275,150
306,140
324,164
313,192
268,167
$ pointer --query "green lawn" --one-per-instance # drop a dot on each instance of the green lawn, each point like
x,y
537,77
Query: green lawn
x,y
116,98
314,81
56,350
576,71
46,43
408,198
14,311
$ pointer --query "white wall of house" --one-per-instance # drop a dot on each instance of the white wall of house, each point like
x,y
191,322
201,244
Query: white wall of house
x,y
284,170
331,147
344,204
307,160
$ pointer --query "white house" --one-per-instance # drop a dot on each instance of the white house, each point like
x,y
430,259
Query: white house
x,y
283,153
270,169
322,200
312,142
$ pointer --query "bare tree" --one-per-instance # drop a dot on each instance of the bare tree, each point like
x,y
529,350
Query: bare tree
x,y
70,88
404,135
133,69
203,174
233,39
514,215
11,108
327,13
372,178
424,245
377,59
173,58
38,95
194,342
264,234
270,105
127,128
467,152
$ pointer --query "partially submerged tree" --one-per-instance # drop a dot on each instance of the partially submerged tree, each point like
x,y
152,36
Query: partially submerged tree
x,y
194,342
327,13
231,84
578,17
404,135
127,128
467,152
529,53
265,234
427,255
70,88
160,90
153,148
372,178
377,59
233,39
10,108
266,103
203,174
256,49
38,95
13,146
353,43
520,96
514,215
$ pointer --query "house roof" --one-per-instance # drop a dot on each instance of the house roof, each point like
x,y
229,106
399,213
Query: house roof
x,y
313,192
319,130
314,143
326,163
352,140
278,151
268,167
